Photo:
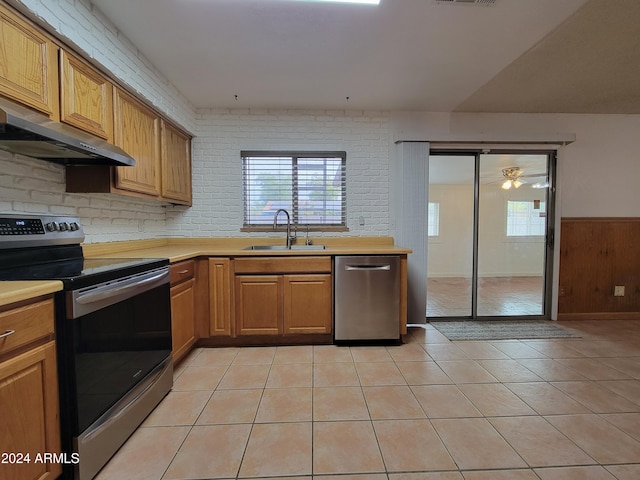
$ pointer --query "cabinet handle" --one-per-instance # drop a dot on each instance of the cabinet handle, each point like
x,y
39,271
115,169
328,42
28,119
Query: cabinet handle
x,y
182,272
7,333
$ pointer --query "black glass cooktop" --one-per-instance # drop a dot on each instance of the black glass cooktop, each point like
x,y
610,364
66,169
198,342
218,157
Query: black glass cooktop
x,y
70,267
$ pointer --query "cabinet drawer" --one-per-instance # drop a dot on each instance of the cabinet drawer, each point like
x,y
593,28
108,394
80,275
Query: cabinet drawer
x,y
28,323
283,265
182,271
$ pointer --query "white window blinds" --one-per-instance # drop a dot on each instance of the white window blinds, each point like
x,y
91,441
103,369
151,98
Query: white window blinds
x,y
311,186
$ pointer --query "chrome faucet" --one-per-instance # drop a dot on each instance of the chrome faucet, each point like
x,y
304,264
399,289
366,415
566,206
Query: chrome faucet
x,y
308,241
275,225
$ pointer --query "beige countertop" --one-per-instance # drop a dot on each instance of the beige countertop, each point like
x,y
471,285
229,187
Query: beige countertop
x,y
11,292
178,249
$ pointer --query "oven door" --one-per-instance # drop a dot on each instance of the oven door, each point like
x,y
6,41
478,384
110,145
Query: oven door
x,y
117,362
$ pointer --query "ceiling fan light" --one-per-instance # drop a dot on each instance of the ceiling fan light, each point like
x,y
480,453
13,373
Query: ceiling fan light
x,y
506,184
517,183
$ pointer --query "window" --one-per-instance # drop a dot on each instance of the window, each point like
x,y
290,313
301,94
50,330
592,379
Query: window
x,y
310,185
526,218
433,222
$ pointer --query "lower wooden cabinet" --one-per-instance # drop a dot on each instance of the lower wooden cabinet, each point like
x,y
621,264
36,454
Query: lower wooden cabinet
x,y
183,333
308,303
269,296
283,304
220,285
259,304
29,421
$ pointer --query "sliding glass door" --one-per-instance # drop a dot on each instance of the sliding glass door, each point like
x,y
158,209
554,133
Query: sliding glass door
x,y
451,236
488,251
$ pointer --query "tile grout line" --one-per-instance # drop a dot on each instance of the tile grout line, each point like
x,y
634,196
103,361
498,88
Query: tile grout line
x,y
444,445
255,416
195,420
504,383
486,418
373,428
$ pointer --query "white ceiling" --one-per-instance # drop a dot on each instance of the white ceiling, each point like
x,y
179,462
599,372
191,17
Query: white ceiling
x,y
515,55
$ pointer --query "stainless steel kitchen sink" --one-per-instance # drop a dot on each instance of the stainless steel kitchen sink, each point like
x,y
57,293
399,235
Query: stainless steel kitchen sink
x,y
283,247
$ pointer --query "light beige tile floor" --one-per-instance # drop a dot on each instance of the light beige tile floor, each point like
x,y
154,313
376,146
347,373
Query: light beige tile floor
x,y
430,409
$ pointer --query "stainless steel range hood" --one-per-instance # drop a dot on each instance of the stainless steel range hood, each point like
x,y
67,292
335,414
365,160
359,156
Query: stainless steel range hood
x,y
26,132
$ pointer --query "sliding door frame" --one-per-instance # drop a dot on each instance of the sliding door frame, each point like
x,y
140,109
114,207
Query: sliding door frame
x,y
547,289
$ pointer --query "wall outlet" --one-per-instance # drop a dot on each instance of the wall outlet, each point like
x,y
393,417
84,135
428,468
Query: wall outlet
x,y
618,291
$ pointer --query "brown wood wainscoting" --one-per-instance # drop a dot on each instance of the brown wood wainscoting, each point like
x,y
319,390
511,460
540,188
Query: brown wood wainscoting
x,y
596,255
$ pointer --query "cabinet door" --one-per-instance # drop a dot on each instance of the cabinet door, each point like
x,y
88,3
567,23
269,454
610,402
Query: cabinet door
x,y
259,304
28,64
183,333
176,165
307,304
86,97
220,296
137,132
29,404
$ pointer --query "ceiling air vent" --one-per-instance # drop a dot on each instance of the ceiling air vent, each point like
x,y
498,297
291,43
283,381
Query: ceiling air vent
x,y
466,2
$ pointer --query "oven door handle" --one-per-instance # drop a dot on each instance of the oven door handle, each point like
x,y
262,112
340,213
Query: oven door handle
x,y
139,286
90,300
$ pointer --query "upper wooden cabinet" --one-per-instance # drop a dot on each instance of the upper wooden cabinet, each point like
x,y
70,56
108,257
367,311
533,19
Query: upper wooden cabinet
x,y
176,165
137,132
28,64
37,71
162,154
86,97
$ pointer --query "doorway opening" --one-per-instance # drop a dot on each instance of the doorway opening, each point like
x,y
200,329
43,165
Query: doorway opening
x,y
490,234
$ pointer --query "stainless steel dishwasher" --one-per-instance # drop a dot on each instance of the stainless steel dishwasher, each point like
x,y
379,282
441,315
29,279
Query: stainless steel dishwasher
x,y
367,298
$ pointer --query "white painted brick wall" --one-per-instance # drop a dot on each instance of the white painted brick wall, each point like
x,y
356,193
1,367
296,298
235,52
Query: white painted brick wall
x,y
217,171
38,187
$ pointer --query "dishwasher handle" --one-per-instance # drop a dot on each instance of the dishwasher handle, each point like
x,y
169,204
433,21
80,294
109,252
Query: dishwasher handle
x,y
367,268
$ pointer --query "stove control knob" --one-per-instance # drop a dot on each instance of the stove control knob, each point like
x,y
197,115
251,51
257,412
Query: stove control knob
x,y
64,226
52,227
73,226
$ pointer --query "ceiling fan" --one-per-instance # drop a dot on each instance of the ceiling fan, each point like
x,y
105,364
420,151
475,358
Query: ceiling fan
x,y
514,177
